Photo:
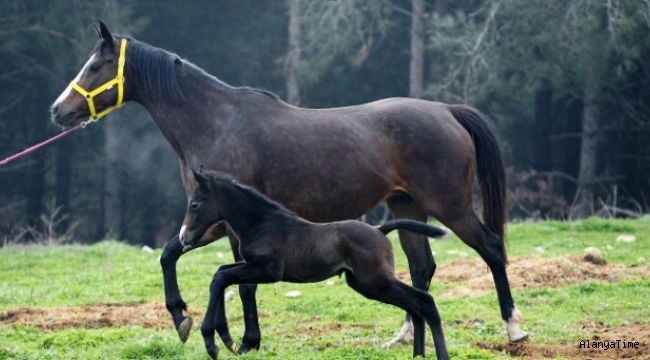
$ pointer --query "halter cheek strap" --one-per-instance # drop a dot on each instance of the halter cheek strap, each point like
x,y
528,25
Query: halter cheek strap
x,y
118,80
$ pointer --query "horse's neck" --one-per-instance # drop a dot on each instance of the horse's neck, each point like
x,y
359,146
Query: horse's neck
x,y
192,124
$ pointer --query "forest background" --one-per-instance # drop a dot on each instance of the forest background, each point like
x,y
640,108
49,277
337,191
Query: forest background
x,y
567,83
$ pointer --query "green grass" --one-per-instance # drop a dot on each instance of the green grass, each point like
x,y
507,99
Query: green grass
x,y
326,322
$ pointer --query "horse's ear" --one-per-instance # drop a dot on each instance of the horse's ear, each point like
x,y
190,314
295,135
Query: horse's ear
x,y
201,178
104,34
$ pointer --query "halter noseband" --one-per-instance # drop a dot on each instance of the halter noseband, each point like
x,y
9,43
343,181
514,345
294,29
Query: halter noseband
x,y
118,80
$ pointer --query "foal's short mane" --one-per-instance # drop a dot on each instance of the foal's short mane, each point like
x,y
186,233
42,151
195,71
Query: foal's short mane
x,y
219,177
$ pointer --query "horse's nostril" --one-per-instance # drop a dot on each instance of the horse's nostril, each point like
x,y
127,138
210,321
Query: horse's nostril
x,y
54,109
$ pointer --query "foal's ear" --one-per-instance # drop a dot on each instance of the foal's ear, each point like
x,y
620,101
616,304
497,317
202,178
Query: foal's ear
x,y
104,34
201,178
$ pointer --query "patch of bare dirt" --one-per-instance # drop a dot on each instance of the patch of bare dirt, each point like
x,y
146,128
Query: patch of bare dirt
x,y
528,272
625,342
153,315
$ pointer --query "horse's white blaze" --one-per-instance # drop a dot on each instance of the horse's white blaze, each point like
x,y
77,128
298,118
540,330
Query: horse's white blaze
x,y
514,333
68,89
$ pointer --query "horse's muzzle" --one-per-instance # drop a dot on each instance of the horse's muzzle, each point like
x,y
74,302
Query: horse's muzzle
x,y
66,120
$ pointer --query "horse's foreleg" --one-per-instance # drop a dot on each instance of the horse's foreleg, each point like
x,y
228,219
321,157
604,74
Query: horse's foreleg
x,y
175,305
173,300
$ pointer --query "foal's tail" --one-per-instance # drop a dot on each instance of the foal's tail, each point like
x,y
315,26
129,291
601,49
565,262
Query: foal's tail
x,y
413,226
490,167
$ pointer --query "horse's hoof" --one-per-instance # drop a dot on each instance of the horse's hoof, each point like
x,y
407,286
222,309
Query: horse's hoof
x,y
233,347
184,329
520,337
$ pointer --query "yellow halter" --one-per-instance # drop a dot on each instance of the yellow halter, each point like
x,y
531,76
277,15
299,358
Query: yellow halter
x,y
118,80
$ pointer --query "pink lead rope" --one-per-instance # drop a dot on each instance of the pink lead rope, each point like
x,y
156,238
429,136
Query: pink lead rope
x,y
38,146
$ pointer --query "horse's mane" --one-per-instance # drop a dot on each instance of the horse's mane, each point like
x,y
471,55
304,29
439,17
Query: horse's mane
x,y
251,192
158,69
261,91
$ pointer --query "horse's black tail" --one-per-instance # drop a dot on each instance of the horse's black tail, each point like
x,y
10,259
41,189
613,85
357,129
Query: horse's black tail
x,y
490,168
413,226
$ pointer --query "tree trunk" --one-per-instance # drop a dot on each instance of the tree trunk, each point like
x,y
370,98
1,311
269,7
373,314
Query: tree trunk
x,y
63,174
36,172
543,125
416,67
590,130
293,57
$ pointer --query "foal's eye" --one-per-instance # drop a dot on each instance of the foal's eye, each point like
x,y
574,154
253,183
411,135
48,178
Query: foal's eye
x,y
194,205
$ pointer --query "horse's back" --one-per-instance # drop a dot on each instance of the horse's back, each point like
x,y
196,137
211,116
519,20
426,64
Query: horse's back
x,y
338,163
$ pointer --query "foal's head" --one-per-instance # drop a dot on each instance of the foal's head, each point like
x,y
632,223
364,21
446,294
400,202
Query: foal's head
x,y
203,208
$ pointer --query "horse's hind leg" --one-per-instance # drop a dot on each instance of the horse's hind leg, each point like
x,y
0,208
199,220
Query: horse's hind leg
x,y
491,248
418,252
175,305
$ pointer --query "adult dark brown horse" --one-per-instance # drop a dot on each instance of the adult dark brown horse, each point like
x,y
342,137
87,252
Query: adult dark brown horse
x,y
421,157
278,245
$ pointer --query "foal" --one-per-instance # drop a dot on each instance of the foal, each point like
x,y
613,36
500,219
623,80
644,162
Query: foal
x,y
278,245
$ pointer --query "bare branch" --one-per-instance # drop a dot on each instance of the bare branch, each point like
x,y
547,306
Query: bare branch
x,y
402,11
12,103
474,59
51,32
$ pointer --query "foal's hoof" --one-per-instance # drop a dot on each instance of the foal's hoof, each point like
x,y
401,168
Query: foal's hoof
x,y
214,354
184,329
247,347
233,347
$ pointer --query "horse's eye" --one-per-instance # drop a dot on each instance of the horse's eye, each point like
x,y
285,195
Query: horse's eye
x,y
194,205
95,67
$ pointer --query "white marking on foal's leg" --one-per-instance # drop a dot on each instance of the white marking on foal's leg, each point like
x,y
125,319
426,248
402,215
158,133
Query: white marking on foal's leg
x,y
405,335
514,333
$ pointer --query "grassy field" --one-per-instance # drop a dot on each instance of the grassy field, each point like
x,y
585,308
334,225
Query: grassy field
x,y
104,301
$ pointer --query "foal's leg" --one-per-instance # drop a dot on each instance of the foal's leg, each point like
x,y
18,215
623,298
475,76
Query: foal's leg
x,y
490,248
418,252
175,305
215,317
252,334
414,301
